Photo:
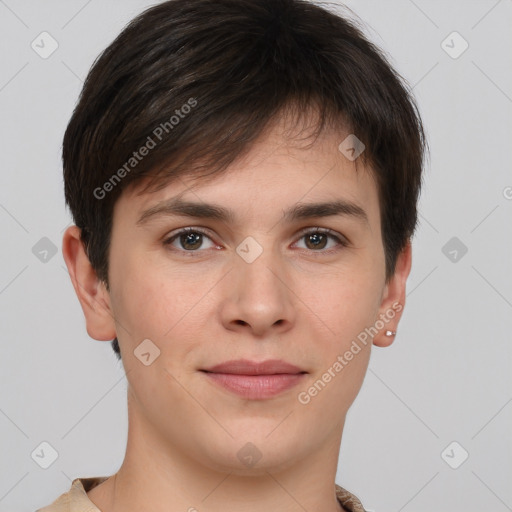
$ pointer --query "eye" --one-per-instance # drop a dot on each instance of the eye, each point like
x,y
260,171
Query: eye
x,y
317,239
189,239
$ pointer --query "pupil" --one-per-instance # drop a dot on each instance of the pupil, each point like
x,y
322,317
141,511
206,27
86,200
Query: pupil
x,y
191,239
316,238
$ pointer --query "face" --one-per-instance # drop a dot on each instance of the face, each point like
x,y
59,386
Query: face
x,y
261,284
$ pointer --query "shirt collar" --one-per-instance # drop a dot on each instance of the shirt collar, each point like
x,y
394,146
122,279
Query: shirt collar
x,y
76,499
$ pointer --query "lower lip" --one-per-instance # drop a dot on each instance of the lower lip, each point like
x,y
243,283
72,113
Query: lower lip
x,y
256,387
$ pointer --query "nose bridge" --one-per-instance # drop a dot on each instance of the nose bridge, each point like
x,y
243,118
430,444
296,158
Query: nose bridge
x,y
260,295
259,263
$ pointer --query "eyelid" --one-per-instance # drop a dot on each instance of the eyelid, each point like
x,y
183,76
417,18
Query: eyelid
x,y
169,238
325,231
180,231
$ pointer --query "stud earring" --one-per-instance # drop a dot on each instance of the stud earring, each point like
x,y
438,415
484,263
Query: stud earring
x,y
390,333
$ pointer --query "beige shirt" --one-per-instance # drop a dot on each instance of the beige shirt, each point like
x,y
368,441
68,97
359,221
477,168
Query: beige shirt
x,y
76,499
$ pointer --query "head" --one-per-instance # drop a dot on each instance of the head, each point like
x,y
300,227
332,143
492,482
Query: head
x,y
260,108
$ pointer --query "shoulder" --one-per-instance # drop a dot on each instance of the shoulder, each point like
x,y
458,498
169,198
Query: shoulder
x,y
76,500
348,500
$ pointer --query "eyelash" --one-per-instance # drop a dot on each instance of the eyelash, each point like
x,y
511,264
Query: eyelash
x,y
308,231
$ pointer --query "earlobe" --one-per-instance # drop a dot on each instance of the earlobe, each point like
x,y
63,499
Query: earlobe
x,y
91,292
393,300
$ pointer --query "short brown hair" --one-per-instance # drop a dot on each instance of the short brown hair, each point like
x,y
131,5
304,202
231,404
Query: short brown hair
x,y
208,76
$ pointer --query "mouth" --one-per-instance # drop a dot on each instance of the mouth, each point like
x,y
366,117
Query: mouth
x,y
255,380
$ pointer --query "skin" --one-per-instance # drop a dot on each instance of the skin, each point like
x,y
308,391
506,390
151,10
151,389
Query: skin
x,y
294,302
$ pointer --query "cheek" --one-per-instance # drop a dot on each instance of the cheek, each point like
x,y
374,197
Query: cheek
x,y
346,302
143,302
330,391
151,299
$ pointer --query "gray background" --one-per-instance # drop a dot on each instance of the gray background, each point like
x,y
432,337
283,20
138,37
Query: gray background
x,y
447,376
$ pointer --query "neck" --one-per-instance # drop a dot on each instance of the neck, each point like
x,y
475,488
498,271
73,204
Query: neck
x,y
161,476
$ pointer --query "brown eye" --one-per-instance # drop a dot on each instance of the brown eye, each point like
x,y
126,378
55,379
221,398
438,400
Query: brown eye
x,y
191,240
316,240
188,240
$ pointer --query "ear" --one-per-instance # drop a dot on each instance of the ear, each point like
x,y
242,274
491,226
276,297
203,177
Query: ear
x,y
91,292
393,298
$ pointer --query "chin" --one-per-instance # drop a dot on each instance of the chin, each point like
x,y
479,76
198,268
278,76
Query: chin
x,y
253,454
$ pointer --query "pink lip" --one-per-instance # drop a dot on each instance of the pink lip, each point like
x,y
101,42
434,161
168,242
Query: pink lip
x,y
254,380
246,367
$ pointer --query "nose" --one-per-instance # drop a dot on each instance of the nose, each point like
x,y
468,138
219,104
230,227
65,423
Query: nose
x,y
259,296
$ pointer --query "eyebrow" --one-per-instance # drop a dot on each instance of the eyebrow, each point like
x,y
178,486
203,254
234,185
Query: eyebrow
x,y
179,207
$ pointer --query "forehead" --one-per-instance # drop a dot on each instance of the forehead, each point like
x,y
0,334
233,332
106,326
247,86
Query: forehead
x,y
280,170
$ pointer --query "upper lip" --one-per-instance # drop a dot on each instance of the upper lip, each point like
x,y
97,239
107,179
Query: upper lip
x,y
247,367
